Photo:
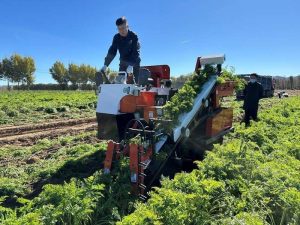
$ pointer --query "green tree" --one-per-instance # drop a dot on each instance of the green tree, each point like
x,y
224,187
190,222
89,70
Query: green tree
x,y
88,74
82,74
28,69
7,70
112,76
59,73
179,81
18,69
17,66
74,74
1,71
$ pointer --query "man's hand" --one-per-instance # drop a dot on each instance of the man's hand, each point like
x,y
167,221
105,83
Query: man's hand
x,y
104,68
129,69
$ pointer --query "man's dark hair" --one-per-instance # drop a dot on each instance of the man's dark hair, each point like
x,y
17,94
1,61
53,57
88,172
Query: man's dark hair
x,y
121,20
254,74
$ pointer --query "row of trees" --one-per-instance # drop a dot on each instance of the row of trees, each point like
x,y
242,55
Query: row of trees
x,y
178,82
17,69
292,82
20,70
77,75
74,74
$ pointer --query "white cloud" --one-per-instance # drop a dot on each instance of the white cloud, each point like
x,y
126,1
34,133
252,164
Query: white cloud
x,y
185,41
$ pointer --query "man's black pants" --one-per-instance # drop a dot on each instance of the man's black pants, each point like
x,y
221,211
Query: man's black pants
x,y
250,112
136,70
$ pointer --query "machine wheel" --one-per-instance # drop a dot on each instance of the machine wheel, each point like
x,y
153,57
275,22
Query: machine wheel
x,y
136,124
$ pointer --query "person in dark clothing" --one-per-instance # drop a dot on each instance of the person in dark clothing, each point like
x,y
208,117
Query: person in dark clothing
x,y
252,92
127,43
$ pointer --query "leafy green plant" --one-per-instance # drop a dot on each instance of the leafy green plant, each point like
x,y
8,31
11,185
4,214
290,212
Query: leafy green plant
x,y
19,107
71,203
59,158
253,178
98,199
12,113
183,100
228,73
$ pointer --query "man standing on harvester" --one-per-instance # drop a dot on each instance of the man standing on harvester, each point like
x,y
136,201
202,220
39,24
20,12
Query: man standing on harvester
x,y
252,92
127,43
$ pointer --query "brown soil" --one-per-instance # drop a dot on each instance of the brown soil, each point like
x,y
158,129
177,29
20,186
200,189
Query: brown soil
x,y
290,92
28,134
46,153
14,130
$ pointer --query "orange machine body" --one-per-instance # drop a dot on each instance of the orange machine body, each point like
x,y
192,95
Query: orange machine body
x,y
144,104
219,122
159,73
222,90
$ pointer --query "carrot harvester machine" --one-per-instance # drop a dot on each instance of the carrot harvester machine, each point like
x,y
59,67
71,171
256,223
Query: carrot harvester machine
x,y
130,116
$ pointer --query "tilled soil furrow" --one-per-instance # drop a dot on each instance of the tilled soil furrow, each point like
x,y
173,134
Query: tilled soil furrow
x,y
30,138
32,128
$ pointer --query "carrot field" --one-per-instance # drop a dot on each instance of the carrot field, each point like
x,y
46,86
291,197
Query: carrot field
x,y
253,178
20,107
149,112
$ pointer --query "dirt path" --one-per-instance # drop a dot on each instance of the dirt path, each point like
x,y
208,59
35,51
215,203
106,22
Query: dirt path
x,y
290,92
29,134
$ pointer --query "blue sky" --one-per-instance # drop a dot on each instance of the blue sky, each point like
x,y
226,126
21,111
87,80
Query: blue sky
x,y
257,36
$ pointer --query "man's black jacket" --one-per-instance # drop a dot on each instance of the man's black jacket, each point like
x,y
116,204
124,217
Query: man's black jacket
x,y
252,93
129,49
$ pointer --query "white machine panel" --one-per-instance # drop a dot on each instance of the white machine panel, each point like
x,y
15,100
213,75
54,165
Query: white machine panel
x,y
217,59
161,91
110,95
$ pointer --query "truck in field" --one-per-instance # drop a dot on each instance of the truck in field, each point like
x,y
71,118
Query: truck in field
x,y
267,82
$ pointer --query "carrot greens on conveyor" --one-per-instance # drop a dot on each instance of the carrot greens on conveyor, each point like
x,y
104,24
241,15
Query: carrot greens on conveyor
x,y
228,74
183,100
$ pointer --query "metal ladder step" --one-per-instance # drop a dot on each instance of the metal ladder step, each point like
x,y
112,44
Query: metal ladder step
x,y
145,165
142,186
143,197
142,174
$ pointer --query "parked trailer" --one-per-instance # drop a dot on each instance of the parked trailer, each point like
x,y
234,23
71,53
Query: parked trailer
x,y
268,83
